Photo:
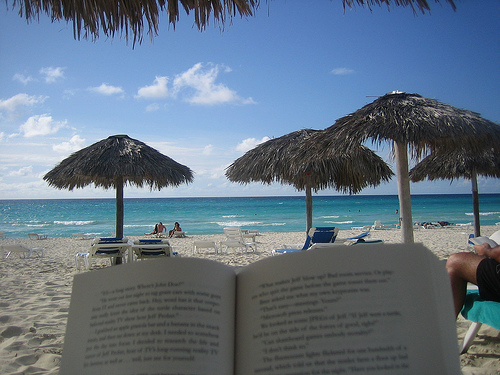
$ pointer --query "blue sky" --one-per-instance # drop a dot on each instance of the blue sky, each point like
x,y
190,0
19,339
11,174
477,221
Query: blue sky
x,y
204,98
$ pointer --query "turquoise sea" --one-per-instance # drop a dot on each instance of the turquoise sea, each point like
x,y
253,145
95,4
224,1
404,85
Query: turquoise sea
x,y
62,218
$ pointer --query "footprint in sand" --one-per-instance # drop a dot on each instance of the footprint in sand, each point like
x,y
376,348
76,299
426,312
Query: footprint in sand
x,y
11,331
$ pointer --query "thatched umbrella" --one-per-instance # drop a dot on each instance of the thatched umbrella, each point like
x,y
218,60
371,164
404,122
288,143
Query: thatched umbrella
x,y
456,164
281,160
124,16
407,120
114,162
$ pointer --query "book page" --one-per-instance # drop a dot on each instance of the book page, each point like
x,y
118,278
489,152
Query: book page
x,y
481,240
346,310
162,316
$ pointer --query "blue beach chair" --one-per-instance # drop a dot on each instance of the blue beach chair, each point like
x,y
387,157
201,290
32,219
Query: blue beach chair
x,y
153,248
104,247
360,238
315,235
479,312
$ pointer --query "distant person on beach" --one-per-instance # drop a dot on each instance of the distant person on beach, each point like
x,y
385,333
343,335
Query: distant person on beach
x,y
159,228
154,230
445,223
481,269
177,228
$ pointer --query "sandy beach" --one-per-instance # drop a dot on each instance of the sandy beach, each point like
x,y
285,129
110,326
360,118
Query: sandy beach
x,y
35,293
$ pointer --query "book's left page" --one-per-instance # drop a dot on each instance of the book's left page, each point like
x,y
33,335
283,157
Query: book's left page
x,y
169,316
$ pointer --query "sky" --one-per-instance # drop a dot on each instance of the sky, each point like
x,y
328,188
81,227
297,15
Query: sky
x,y
205,98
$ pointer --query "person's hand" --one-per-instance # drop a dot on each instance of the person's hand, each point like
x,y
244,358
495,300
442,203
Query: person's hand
x,y
482,249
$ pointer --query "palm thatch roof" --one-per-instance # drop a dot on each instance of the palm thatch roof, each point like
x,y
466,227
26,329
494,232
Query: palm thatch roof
x,y
281,160
405,118
110,17
131,16
460,163
118,156
457,164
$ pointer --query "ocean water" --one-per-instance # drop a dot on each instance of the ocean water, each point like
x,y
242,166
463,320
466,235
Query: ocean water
x,y
62,218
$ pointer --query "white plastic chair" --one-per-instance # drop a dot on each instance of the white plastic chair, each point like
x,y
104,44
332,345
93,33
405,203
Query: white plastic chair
x,y
204,245
34,236
151,249
179,233
111,248
23,251
378,225
234,238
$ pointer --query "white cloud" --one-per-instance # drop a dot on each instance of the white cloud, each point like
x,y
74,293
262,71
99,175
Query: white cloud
x,y
24,171
157,90
198,86
22,78
208,149
153,107
52,74
206,91
20,100
40,125
215,172
74,144
106,89
342,71
249,143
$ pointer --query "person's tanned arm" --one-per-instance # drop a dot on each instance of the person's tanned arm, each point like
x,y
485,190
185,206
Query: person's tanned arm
x,y
487,251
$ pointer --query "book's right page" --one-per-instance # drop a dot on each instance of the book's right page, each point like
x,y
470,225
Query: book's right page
x,y
483,239
377,309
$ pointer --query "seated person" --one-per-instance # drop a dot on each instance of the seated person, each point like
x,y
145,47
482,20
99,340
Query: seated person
x,y
177,228
154,230
159,228
481,269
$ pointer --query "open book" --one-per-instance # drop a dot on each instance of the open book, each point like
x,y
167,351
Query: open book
x,y
377,309
483,239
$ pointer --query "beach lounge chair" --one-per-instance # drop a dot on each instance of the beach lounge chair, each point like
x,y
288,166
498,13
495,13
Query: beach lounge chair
x,y
108,247
479,312
364,228
362,238
23,251
151,249
34,236
204,245
179,233
234,238
249,234
377,225
315,235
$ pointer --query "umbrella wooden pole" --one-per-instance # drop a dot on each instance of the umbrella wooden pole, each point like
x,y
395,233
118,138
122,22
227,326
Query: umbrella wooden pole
x,y
119,212
309,208
475,204
404,195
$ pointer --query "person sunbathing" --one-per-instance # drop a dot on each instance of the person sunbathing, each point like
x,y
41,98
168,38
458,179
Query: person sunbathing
x,y
481,269
159,228
154,230
177,228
